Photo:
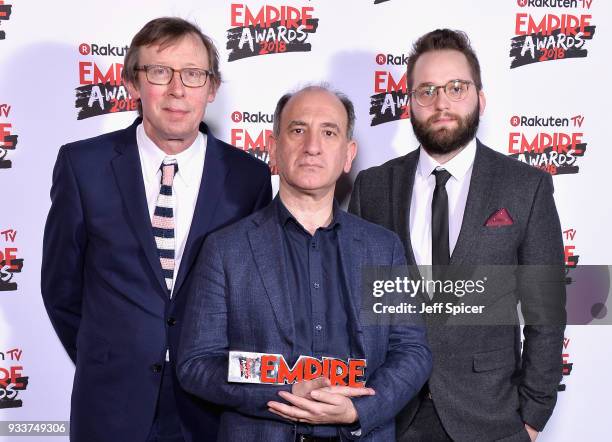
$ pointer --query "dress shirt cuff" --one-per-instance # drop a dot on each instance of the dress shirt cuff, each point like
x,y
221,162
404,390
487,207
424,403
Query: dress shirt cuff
x,y
352,431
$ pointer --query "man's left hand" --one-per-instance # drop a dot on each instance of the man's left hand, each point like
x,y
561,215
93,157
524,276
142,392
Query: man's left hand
x,y
533,433
325,408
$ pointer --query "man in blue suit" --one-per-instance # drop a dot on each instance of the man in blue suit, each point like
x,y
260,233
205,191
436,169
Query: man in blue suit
x,y
287,280
130,211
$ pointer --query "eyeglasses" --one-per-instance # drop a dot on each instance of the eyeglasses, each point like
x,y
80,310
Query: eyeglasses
x,y
455,90
162,75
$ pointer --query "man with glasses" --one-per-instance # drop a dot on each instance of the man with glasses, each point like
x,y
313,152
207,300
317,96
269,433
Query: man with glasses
x,y
455,201
129,213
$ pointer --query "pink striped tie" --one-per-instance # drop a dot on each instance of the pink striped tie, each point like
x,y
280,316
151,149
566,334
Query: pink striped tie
x,y
163,222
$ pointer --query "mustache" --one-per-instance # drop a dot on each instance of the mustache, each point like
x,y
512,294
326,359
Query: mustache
x,y
439,115
310,164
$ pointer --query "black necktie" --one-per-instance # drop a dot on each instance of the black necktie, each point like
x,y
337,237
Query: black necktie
x,y
440,254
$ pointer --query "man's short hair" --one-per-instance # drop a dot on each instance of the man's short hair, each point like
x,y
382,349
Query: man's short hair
x,y
164,31
344,99
443,39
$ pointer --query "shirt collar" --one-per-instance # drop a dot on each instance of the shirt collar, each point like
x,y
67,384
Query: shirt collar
x,y
189,161
285,216
458,166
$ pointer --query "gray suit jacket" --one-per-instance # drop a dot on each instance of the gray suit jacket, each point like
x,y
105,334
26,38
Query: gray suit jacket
x,y
241,302
482,387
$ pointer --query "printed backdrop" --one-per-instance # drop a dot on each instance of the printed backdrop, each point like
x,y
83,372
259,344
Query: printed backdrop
x,y
546,75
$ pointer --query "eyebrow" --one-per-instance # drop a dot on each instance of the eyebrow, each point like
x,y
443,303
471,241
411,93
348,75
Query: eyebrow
x,y
186,65
431,83
330,125
426,83
293,123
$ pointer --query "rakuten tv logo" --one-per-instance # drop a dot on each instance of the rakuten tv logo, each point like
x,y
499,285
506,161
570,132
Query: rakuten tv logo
x,y
12,380
390,100
10,263
554,3
556,144
553,36
566,365
8,140
101,89
571,258
269,30
251,133
104,49
393,60
5,15
252,117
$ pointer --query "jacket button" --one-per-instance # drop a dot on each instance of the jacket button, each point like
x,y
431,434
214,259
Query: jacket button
x,y
171,321
156,368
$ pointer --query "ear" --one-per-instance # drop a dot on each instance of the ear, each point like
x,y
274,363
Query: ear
x,y
272,148
351,152
213,92
483,101
133,90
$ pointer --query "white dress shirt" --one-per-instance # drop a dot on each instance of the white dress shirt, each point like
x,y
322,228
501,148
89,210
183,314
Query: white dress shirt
x,y
457,188
186,183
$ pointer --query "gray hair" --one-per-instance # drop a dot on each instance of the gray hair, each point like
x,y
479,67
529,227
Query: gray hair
x,y
344,99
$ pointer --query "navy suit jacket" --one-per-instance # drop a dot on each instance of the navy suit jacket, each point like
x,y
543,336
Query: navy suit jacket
x,y
241,302
102,283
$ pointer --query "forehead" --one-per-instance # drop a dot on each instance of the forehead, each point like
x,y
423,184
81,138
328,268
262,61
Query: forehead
x,y
187,50
312,106
438,67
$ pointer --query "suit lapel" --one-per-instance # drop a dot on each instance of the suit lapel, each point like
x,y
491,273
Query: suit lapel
x,y
352,254
266,246
481,184
128,175
212,184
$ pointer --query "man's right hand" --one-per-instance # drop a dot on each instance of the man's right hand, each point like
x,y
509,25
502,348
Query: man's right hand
x,y
349,391
304,388
317,402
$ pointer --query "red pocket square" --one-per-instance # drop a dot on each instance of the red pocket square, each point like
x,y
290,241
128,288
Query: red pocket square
x,y
499,218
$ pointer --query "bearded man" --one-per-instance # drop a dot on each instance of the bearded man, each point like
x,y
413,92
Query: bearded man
x,y
455,202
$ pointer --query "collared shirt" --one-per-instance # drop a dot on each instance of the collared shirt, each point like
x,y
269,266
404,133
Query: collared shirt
x,y
457,188
186,183
318,293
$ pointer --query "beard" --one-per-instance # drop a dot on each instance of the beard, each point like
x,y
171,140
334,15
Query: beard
x,y
444,140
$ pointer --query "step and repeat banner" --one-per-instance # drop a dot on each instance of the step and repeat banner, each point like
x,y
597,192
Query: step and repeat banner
x,y
547,79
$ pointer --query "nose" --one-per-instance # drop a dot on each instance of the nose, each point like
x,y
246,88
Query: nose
x,y
312,143
176,87
441,102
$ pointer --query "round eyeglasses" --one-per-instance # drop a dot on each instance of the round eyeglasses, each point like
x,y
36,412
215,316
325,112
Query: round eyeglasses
x,y
162,75
455,90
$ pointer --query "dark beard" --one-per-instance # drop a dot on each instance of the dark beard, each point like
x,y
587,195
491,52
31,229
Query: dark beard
x,y
444,141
